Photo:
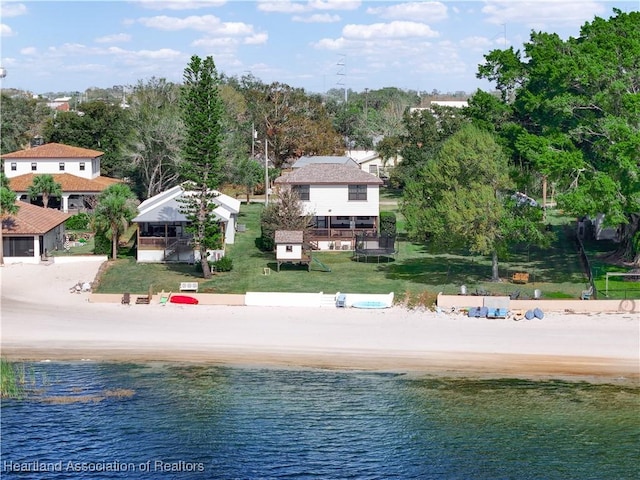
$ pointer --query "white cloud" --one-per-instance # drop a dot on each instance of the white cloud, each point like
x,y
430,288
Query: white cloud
x,y
334,4
29,51
284,6
216,42
317,18
541,14
419,11
115,38
330,44
179,4
287,6
161,54
476,43
205,23
5,30
11,9
396,29
256,39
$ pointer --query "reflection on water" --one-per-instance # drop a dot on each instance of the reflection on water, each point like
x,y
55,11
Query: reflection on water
x,y
198,421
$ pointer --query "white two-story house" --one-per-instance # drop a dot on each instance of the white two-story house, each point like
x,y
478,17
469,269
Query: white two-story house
x,y
76,169
343,200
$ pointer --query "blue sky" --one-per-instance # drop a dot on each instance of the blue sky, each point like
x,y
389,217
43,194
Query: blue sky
x,y
55,46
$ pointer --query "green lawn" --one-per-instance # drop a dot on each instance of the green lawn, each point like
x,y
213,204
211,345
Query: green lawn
x,y
618,287
415,271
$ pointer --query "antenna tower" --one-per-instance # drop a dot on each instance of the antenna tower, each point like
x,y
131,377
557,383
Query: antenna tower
x,y
342,75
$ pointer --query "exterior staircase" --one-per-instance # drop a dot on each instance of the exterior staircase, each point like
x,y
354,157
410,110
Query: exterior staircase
x,y
328,301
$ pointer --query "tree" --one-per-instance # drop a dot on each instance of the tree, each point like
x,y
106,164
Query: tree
x,y
22,118
202,165
248,173
294,123
115,209
285,213
155,143
461,198
8,208
98,126
46,186
426,130
576,118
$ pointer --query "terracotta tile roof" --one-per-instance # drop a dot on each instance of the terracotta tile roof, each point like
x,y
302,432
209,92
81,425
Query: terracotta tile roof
x,y
288,236
54,150
328,174
33,220
70,183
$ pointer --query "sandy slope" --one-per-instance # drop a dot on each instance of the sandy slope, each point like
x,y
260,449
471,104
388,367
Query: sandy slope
x,y
42,320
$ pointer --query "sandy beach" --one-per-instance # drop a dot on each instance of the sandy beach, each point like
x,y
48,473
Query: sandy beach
x,y
42,320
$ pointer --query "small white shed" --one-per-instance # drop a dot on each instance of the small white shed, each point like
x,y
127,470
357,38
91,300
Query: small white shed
x,y
289,247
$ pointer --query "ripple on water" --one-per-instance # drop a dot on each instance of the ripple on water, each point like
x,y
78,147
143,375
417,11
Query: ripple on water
x,y
298,424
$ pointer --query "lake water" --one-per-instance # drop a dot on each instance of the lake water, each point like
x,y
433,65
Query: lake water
x,y
166,421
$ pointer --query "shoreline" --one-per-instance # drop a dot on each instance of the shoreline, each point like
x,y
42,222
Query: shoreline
x,y
46,322
453,365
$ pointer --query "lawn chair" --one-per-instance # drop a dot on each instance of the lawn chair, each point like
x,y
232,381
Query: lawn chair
x,y
164,297
586,294
126,299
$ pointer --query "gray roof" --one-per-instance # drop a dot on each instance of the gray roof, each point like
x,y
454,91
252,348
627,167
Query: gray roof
x,y
166,207
288,236
340,160
328,174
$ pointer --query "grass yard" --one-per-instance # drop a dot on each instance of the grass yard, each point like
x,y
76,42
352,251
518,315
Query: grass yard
x,y
618,287
416,272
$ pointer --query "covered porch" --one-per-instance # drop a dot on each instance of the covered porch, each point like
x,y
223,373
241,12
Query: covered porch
x,y
340,232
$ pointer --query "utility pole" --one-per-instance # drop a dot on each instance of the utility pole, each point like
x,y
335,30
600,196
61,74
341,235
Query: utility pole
x,y
266,172
254,135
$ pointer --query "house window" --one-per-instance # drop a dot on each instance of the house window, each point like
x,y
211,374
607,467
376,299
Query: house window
x,y
17,246
61,166
357,192
14,166
302,191
34,166
373,169
290,248
82,166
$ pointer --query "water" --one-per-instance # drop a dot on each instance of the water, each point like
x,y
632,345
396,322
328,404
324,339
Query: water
x,y
165,421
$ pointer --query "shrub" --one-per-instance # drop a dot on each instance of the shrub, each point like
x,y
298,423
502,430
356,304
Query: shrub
x,y
102,244
224,264
388,223
79,221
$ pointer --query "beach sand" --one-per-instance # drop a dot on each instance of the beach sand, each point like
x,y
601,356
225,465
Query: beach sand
x,y
41,320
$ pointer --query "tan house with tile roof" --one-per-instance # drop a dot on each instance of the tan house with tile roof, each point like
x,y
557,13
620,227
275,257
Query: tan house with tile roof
x,y
76,169
343,200
31,233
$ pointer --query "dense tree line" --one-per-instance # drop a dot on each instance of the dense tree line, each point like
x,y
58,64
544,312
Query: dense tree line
x,y
569,116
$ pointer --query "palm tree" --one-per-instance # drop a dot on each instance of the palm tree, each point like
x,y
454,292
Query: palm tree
x,y
46,186
8,208
116,207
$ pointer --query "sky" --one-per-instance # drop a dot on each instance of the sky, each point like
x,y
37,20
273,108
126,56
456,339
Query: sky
x,y
66,46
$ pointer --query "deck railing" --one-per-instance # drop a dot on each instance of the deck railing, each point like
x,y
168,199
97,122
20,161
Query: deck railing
x,y
321,233
152,243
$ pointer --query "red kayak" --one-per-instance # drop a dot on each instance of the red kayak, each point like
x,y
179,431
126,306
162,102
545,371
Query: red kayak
x,y
185,299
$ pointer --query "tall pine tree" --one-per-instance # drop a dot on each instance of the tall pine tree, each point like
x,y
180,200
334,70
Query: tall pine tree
x,y
202,165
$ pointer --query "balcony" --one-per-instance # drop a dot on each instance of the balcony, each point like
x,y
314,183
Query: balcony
x,y
160,243
338,233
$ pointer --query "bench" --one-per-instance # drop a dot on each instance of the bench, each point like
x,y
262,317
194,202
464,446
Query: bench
x,y
520,277
189,287
586,294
